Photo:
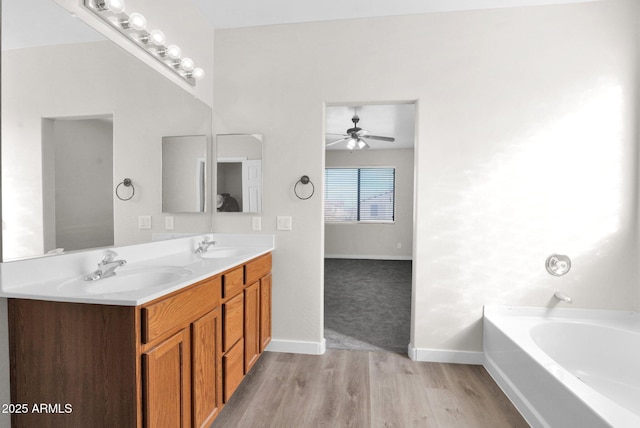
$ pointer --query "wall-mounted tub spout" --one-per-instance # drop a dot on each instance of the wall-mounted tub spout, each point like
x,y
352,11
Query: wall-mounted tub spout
x,y
562,297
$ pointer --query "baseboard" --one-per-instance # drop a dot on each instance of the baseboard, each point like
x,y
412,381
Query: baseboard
x,y
446,356
366,257
297,347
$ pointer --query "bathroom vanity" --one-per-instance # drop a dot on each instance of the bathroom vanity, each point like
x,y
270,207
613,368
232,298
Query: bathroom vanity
x,y
170,361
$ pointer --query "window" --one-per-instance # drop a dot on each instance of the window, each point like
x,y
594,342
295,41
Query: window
x,y
359,194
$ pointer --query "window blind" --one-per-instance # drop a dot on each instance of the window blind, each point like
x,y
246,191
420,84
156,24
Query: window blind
x,y
359,194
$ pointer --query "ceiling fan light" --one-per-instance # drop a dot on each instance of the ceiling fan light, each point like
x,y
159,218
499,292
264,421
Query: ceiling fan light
x,y
362,144
351,144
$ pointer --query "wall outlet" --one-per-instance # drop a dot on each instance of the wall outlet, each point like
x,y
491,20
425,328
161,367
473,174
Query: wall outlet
x,y
284,223
399,245
256,223
144,222
168,222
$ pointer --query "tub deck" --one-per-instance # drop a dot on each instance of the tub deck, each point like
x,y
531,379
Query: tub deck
x,y
546,393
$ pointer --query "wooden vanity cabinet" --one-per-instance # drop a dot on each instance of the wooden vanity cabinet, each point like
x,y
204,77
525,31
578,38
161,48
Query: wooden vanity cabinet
x,y
251,325
265,311
181,351
171,362
166,379
258,308
206,336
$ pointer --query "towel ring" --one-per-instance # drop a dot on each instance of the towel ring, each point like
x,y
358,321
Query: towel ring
x,y
304,180
127,183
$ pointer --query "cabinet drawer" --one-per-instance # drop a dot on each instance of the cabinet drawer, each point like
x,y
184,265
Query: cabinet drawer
x,y
232,324
232,369
232,282
178,311
256,269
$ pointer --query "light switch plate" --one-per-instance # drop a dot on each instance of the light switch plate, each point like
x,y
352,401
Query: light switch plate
x,y
284,223
168,222
256,223
144,222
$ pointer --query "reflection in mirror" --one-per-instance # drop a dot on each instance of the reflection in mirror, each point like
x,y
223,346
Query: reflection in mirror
x,y
77,166
62,81
184,174
239,173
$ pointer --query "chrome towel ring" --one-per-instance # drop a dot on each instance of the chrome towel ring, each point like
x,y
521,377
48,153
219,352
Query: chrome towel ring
x,y
126,183
304,180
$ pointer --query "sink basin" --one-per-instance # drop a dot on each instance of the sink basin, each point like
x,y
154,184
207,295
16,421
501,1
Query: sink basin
x,y
223,252
128,279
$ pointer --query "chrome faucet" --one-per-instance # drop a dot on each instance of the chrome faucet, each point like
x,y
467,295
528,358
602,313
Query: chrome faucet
x,y
562,297
204,245
106,267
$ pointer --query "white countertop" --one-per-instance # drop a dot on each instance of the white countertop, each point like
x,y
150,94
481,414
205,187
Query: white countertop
x,y
44,278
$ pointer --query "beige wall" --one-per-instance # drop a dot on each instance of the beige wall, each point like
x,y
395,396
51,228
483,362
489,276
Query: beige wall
x,y
375,240
526,146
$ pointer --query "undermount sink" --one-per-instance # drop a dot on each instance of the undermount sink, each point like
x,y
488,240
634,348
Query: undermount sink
x,y
128,279
222,252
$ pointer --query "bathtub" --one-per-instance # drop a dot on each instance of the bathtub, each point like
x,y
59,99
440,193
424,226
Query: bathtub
x,y
566,367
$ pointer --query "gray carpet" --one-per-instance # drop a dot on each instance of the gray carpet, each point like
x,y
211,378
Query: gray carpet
x,y
367,304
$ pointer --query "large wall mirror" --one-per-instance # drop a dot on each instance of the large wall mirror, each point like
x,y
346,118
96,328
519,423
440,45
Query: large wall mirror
x,y
239,173
79,115
184,174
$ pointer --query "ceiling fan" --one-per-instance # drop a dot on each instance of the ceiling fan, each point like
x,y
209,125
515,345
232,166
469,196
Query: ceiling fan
x,y
355,136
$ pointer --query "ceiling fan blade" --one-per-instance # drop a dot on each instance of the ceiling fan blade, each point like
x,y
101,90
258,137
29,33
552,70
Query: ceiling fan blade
x,y
342,140
339,135
378,137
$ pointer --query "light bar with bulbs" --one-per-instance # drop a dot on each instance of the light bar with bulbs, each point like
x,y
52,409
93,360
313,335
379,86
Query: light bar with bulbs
x,y
134,27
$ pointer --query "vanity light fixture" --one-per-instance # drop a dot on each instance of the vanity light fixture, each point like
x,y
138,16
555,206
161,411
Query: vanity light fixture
x,y
133,27
136,20
155,37
115,6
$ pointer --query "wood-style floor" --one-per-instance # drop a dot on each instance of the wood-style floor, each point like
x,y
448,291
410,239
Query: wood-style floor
x,y
345,388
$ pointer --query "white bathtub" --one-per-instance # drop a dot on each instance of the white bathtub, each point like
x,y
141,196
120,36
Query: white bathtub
x,y
566,367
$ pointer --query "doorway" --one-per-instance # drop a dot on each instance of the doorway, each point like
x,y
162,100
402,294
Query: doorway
x,y
368,231
77,157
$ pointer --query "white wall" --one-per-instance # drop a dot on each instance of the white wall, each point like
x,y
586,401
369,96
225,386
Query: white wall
x,y
183,26
375,240
526,146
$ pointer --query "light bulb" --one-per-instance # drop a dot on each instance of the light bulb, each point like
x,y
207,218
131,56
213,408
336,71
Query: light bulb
x,y
198,73
351,144
174,52
157,37
362,144
115,6
187,64
137,21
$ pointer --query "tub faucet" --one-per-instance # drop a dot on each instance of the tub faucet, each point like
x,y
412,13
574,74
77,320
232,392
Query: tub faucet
x,y
106,267
204,245
562,297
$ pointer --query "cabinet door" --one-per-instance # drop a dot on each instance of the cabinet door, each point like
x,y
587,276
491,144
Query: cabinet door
x,y
167,383
232,363
251,325
265,311
206,347
233,321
